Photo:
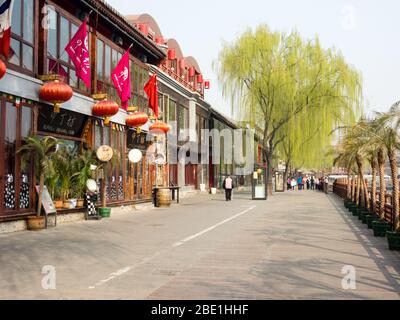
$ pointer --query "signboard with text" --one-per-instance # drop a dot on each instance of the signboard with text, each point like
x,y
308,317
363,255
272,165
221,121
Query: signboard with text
x,y
68,123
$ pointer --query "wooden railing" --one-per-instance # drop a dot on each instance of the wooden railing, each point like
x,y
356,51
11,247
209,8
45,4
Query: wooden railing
x,y
340,189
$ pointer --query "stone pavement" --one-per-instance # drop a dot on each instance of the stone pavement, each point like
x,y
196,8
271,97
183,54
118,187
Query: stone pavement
x,y
294,246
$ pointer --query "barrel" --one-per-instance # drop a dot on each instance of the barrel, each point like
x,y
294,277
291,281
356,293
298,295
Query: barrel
x,y
164,198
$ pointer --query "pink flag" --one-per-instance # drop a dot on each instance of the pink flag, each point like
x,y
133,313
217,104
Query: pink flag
x,y
78,51
122,80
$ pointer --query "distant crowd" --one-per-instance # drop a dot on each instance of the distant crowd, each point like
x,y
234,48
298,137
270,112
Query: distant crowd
x,y
305,183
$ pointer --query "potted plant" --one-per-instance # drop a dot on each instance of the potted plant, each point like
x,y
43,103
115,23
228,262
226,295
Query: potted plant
x,y
82,173
380,228
41,149
64,159
52,183
371,219
393,240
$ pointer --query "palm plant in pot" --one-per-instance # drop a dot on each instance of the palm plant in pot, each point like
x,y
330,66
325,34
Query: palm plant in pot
x,y
64,163
389,129
82,173
42,150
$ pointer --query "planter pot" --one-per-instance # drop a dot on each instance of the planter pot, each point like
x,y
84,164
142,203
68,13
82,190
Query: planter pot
x,y
364,216
70,204
393,240
370,219
35,223
380,228
356,212
213,190
58,204
80,203
105,212
202,187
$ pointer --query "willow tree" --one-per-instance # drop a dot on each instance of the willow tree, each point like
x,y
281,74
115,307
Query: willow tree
x,y
273,77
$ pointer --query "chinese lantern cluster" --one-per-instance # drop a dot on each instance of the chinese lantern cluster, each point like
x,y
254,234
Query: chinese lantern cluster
x,y
56,92
160,127
105,109
136,120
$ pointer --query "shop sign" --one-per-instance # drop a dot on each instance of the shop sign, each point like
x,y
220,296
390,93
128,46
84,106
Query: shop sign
x,y
66,122
137,140
104,153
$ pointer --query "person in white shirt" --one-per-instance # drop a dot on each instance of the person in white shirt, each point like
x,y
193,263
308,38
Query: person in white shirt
x,y
228,186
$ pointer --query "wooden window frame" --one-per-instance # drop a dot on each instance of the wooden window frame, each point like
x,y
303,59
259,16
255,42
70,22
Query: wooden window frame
x,y
5,213
20,68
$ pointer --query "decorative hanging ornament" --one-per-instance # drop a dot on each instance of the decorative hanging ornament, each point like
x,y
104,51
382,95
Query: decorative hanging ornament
x,y
136,120
105,109
56,92
3,69
160,126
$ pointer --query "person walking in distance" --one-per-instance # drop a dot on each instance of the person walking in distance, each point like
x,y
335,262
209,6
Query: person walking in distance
x,y
228,186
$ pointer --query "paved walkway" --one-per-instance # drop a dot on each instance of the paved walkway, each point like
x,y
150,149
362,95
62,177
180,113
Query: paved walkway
x,y
293,246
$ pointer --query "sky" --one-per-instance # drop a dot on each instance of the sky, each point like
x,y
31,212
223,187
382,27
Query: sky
x,y
367,32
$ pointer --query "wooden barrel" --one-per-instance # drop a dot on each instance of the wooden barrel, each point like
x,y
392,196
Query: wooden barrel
x,y
164,198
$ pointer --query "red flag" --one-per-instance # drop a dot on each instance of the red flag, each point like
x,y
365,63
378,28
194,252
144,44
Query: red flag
x,y
78,50
121,77
151,90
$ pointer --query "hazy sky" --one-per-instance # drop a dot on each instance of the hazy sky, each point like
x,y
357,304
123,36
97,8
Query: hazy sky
x,y
366,31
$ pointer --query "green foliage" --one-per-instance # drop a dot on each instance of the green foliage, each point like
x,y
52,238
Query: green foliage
x,y
293,89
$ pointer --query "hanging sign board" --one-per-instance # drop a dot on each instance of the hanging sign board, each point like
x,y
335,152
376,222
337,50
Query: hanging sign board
x,y
47,202
65,122
104,153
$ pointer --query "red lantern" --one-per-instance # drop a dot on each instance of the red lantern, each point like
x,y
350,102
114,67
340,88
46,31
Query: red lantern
x,y
160,126
192,72
136,119
207,84
105,108
171,54
200,78
56,92
160,40
182,64
3,69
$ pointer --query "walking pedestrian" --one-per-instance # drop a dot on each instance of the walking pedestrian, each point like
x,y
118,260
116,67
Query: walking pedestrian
x,y
312,183
300,183
293,183
228,186
289,184
308,184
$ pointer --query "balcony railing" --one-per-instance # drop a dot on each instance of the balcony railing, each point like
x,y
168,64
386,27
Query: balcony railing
x,y
179,79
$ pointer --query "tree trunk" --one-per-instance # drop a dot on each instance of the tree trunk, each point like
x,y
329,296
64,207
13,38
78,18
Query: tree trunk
x,y
382,183
353,189
363,191
373,187
395,194
348,185
367,203
358,191
268,183
40,198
